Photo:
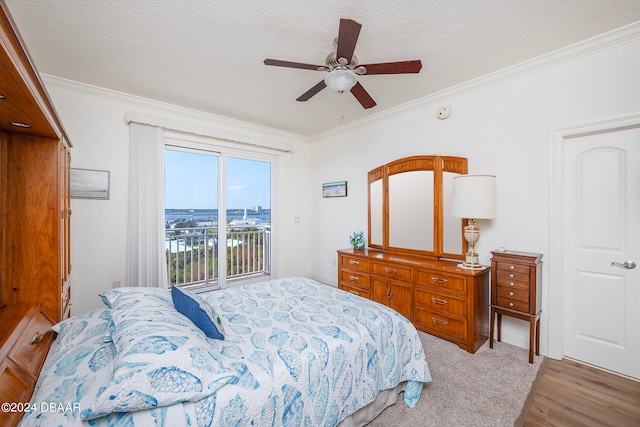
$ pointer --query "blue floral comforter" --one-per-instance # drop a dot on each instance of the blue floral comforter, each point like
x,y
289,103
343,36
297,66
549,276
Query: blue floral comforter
x,y
301,353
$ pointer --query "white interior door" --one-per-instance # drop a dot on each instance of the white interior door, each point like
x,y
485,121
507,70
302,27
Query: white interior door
x,y
602,227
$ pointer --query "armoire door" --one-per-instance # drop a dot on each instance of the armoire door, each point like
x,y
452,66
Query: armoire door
x,y
601,224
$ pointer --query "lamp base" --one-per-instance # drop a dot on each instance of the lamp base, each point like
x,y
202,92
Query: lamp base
x,y
472,266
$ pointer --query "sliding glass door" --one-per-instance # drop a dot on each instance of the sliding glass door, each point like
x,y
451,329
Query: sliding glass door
x,y
217,217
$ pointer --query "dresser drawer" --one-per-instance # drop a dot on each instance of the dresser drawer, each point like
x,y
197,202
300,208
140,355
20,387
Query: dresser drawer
x,y
513,304
357,291
392,271
513,293
32,347
13,389
441,281
354,264
354,279
439,303
441,325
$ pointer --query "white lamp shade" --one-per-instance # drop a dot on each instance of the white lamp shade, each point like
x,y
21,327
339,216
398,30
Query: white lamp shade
x,y
340,80
474,197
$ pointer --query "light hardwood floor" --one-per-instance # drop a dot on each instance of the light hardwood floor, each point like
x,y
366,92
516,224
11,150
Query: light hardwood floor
x,y
573,394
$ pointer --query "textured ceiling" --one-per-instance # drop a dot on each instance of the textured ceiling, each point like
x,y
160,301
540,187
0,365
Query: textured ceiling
x,y
207,55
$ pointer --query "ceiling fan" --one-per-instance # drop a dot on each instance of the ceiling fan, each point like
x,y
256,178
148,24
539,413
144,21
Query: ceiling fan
x,y
342,67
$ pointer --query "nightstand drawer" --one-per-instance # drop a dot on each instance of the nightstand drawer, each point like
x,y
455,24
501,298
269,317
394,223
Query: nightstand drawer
x,y
354,264
512,268
509,282
513,276
439,303
513,304
354,279
513,293
392,271
442,281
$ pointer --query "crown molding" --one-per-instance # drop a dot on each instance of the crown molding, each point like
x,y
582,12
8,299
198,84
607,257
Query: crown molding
x,y
608,40
135,102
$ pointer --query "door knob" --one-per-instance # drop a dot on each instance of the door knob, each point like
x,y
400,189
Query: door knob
x,y
627,264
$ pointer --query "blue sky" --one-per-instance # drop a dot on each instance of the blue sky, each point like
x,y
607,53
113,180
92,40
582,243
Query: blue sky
x,y
191,181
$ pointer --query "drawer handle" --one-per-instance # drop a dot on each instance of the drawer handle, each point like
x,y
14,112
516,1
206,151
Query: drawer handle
x,y
390,270
354,278
439,301
439,280
510,304
390,294
37,337
510,294
354,292
510,283
352,262
512,267
439,321
511,276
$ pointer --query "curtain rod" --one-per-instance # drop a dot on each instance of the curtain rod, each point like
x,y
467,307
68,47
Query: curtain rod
x,y
195,129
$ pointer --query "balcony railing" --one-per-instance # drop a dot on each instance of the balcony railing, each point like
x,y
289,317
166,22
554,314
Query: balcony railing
x,y
192,254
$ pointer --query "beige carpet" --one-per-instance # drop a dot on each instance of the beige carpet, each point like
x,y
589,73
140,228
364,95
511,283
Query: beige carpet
x,y
488,388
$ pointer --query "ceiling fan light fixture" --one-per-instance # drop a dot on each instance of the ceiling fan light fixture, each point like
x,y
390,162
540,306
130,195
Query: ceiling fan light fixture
x,y
340,80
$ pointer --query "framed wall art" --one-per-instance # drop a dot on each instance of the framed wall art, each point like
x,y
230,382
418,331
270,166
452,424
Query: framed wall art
x,y
334,189
89,184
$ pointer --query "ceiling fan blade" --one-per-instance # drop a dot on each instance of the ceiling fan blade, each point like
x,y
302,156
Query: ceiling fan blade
x,y
308,94
363,96
289,64
402,67
347,38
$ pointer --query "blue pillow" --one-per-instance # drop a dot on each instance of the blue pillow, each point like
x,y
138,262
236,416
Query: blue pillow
x,y
198,311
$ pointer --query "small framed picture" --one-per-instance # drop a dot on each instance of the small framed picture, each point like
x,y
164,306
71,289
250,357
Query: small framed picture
x,y
89,184
334,189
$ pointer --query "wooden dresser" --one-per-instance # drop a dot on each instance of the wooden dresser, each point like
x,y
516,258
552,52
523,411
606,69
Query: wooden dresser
x,y
437,296
34,222
34,185
25,338
516,279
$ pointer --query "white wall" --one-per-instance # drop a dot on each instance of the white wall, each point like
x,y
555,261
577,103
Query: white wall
x,y
502,124
94,121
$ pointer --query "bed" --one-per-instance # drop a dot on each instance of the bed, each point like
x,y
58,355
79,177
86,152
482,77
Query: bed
x,y
295,352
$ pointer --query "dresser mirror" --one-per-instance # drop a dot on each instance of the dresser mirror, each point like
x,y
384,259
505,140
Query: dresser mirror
x,y
409,206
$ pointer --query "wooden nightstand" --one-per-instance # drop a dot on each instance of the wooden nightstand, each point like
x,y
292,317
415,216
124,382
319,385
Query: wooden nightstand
x,y
516,292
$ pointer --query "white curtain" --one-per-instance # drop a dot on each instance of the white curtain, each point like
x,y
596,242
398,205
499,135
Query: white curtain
x,y
146,264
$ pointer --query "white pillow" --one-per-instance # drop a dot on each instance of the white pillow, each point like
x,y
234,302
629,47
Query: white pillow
x,y
163,358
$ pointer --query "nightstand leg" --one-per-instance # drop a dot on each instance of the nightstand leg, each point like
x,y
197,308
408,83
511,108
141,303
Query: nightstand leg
x,y
499,327
532,332
538,337
493,315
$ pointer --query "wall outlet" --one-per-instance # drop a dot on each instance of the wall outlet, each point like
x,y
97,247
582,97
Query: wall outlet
x,y
116,284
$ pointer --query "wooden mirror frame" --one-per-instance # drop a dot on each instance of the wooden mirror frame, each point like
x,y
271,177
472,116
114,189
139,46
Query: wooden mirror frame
x,y
437,164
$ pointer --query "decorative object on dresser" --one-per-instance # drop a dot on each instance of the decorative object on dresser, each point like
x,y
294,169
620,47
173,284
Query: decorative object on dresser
x,y
474,197
25,338
34,186
357,240
516,280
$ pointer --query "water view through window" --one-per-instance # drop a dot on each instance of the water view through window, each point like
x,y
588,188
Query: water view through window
x,y
214,232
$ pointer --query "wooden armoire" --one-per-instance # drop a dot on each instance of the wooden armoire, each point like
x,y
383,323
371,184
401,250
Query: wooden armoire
x,y
34,185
